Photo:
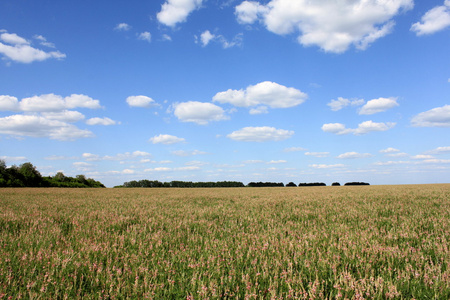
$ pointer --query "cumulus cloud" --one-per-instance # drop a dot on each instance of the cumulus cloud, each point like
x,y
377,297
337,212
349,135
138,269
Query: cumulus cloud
x,y
69,116
9,103
353,155
439,150
436,117
281,161
324,166
188,153
264,94
294,149
38,126
340,103
336,128
122,27
101,121
117,157
145,36
43,41
260,134
434,20
363,128
317,154
48,103
48,116
166,139
378,105
389,150
18,49
140,101
177,11
199,112
206,37
332,25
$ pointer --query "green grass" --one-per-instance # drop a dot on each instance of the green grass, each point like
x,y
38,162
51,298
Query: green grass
x,y
368,242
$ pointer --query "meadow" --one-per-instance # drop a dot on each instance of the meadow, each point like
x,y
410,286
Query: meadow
x,y
348,242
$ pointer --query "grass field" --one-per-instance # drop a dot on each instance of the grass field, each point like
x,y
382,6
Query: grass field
x,y
362,242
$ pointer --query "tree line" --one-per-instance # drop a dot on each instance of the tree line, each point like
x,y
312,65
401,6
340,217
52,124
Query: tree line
x,y
180,184
145,183
26,175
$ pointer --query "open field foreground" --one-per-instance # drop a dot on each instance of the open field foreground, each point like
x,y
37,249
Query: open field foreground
x,y
362,242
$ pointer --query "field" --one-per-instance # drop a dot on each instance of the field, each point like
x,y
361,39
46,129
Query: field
x,y
361,242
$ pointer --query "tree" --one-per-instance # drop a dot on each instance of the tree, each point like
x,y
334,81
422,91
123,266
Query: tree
x,y
31,176
291,184
60,177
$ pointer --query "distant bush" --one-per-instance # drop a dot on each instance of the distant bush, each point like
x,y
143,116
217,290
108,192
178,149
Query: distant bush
x,y
357,183
335,184
291,184
265,184
312,184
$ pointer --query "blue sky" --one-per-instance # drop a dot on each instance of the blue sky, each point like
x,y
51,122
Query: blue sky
x,y
208,90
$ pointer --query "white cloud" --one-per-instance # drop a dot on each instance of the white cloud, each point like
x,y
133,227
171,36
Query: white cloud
x,y
9,103
363,128
336,128
13,158
369,126
206,37
439,150
340,103
140,101
259,110
69,116
117,157
122,27
266,93
43,41
332,25
18,49
281,161
38,126
436,117
378,105
101,121
166,37
199,112
353,155
83,166
48,103
177,11
82,101
317,154
188,153
128,171
294,149
389,150
436,19
422,156
324,166
249,12
399,154
47,116
390,163
13,39
166,139
260,134
145,36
